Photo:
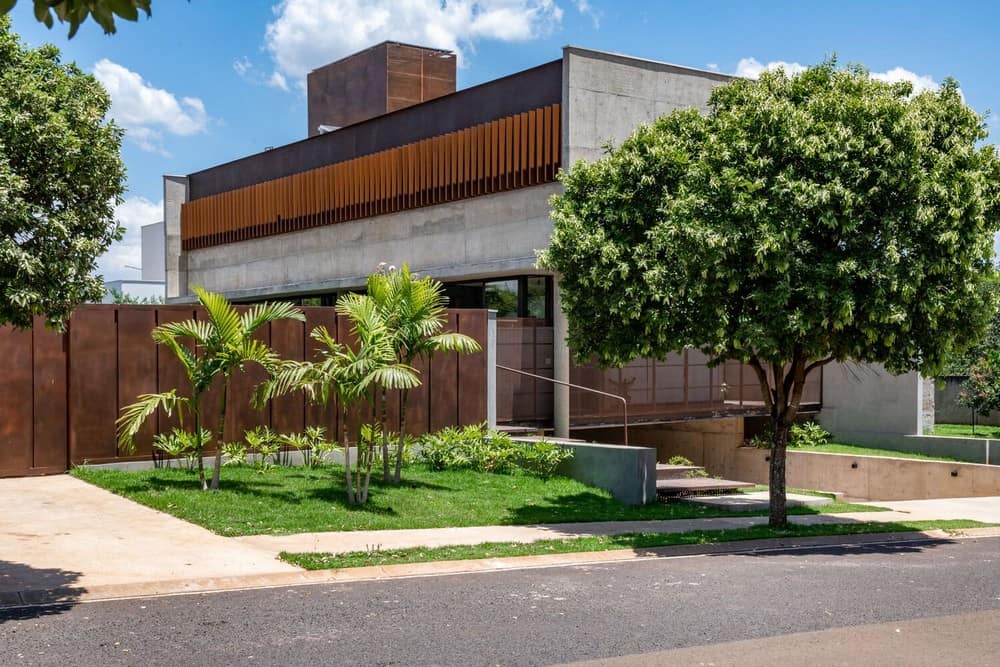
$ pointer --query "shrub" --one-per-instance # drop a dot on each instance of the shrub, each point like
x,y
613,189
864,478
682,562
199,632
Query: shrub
x,y
679,461
809,434
181,445
476,448
266,443
235,453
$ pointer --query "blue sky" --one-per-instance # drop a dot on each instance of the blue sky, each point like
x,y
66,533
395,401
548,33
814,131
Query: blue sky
x,y
207,81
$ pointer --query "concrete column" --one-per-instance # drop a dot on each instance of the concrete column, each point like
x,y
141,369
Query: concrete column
x,y
175,193
491,369
560,364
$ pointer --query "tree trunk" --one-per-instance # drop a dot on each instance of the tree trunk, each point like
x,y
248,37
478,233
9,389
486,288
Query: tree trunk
x,y
777,513
386,477
220,438
347,456
402,430
201,445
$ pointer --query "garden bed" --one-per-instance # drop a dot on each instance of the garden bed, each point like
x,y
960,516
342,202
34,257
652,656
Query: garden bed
x,y
856,450
296,500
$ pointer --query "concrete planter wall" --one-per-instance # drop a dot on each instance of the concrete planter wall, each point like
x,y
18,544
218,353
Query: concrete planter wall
x,y
873,477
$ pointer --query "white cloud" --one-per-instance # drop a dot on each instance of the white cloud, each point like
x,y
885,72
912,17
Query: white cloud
x,y
920,83
751,68
242,65
584,7
147,112
307,34
131,214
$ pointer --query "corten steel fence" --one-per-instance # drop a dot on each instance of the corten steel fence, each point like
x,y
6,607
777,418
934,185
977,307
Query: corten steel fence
x,y
513,152
682,385
61,392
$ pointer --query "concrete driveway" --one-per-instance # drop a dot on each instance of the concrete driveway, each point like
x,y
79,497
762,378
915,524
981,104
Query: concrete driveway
x,y
58,533
985,509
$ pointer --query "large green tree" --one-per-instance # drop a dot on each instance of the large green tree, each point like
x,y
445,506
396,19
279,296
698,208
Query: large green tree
x,y
75,12
801,220
60,179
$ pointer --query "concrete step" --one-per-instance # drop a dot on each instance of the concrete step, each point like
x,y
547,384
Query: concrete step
x,y
520,431
697,485
667,471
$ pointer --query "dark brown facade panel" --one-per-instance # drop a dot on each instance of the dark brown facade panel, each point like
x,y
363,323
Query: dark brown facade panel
x,y
16,426
504,154
49,396
93,385
137,373
288,412
472,370
443,377
530,89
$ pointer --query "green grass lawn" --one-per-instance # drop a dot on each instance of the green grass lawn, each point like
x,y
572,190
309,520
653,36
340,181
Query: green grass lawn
x,y
297,500
965,431
838,448
638,541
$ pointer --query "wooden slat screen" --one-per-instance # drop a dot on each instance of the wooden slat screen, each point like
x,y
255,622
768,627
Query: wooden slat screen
x,y
508,153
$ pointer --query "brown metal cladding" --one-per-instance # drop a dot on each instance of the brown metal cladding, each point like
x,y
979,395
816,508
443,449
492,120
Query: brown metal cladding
x,y
137,373
16,398
93,385
49,452
288,412
443,377
472,370
512,152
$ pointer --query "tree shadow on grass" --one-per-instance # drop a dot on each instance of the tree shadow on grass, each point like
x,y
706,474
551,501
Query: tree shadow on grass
x,y
29,592
570,508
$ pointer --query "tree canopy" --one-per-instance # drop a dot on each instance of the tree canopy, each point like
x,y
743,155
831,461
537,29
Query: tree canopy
x,y
60,179
75,12
803,219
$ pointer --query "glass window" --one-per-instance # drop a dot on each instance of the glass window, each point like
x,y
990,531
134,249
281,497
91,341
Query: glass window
x,y
536,299
501,296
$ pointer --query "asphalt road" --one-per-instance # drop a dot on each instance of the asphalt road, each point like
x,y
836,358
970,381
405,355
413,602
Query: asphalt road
x,y
551,615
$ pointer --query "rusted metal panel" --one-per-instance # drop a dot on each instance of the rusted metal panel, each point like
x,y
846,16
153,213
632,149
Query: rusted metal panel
x,y
317,414
472,369
49,452
93,386
443,379
137,366
16,425
169,371
288,412
241,416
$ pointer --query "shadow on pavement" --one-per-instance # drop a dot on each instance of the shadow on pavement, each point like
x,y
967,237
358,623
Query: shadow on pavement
x,y
28,592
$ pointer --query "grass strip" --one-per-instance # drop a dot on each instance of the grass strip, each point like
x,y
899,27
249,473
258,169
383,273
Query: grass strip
x,y
326,560
838,448
288,500
966,431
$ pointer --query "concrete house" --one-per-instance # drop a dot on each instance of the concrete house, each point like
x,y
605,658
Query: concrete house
x,y
399,166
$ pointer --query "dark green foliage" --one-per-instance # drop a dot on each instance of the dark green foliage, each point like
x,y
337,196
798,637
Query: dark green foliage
x,y
476,448
60,179
981,391
75,12
826,216
809,434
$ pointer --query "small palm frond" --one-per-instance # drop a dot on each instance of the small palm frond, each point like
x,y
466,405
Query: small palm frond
x,y
199,331
263,313
453,342
187,357
396,376
288,377
134,416
223,315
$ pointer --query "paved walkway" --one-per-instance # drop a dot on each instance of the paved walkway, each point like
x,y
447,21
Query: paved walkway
x,y
62,539
342,542
58,532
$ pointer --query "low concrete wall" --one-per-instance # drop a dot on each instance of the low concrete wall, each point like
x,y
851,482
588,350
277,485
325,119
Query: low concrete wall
x,y
874,478
946,407
628,473
706,442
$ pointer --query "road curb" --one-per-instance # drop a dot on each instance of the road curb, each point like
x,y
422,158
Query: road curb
x,y
75,595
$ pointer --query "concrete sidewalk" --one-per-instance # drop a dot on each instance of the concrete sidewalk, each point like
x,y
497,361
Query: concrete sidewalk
x,y
342,542
64,540
59,532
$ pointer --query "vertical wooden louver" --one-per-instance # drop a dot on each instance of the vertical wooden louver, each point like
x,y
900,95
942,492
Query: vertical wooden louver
x,y
513,152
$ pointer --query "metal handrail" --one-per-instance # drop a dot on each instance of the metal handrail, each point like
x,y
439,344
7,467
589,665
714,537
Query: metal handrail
x,y
576,386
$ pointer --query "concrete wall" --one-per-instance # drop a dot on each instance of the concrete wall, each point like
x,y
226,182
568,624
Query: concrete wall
x,y
605,96
154,239
874,478
706,442
486,235
629,473
866,405
175,193
948,411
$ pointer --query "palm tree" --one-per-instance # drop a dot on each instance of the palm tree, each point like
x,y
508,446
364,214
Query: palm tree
x,y
354,374
223,342
414,310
